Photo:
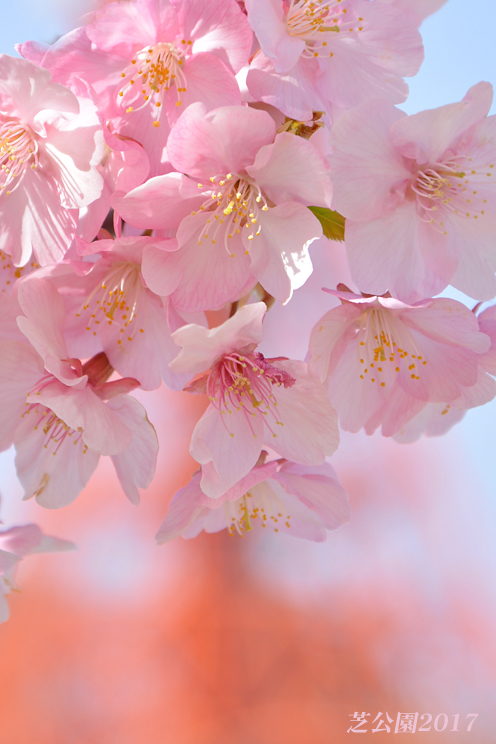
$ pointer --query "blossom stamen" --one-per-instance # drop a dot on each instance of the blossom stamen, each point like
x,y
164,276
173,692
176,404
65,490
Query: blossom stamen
x,y
261,503
245,382
235,203
317,22
152,73
115,300
385,347
18,150
446,188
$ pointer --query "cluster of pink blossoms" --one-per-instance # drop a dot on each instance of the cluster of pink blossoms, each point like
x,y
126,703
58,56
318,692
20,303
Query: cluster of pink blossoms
x,y
174,157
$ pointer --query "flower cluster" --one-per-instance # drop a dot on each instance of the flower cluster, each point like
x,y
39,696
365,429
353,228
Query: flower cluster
x,y
175,157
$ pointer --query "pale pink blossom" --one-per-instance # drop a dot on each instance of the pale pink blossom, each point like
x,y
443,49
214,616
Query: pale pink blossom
x,y
50,145
148,60
384,361
241,212
281,496
253,401
110,308
62,415
419,195
333,52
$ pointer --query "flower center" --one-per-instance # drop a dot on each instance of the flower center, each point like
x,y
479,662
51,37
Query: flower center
x,y
115,300
244,383
317,22
18,150
152,72
55,430
234,203
451,187
385,347
261,503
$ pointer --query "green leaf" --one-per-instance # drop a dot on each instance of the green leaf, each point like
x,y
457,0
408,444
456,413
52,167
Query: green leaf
x,y
332,222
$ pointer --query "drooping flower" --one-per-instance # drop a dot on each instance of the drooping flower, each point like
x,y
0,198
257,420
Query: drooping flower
x,y
109,308
246,193
50,145
340,52
16,543
281,496
419,195
253,401
62,415
384,361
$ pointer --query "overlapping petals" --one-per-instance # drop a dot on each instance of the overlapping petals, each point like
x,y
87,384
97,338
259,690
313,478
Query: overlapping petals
x,y
246,190
280,496
50,145
385,361
253,401
419,195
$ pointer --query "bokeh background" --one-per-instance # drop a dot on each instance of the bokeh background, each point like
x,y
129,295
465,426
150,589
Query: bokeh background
x,y
266,639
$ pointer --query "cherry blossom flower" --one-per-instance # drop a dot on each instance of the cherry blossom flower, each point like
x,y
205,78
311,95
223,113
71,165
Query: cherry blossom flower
x,y
50,145
149,60
339,52
282,496
240,213
253,401
419,195
15,544
62,415
385,361
109,308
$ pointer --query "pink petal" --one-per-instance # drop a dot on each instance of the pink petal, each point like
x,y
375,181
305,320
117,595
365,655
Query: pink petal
x,y
294,92
309,432
201,347
426,136
448,321
160,269
220,142
386,255
55,481
43,324
21,540
279,254
123,28
227,446
218,26
319,489
103,430
210,275
26,89
135,466
20,370
368,174
157,204
268,22
33,220
292,169
329,338
208,81
184,509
